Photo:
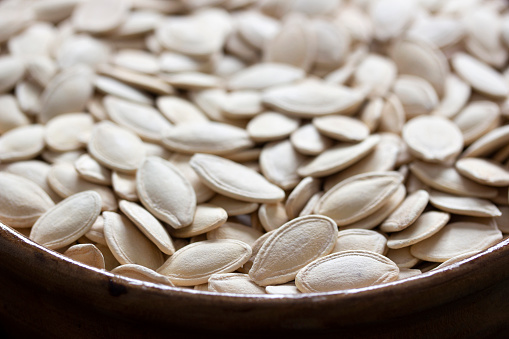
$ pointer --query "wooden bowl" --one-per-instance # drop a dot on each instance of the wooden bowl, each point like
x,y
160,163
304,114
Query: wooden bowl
x,y
45,295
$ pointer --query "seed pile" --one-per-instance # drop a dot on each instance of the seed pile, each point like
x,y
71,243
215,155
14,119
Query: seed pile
x,y
241,146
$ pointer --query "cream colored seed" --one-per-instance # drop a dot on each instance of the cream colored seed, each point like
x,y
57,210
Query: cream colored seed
x,y
206,137
272,216
206,218
338,157
233,206
374,219
407,212
359,196
236,231
483,171
346,270
68,132
90,170
234,283
128,244
87,254
195,263
22,201
359,239
56,229
456,239
424,227
22,143
148,225
276,262
165,192
342,128
279,163
65,181
433,138
142,273
234,180
464,205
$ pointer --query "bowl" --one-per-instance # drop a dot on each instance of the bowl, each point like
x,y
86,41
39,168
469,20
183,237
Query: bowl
x,y
46,295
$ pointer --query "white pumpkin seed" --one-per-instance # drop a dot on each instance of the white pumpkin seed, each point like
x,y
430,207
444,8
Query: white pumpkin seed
x,y
67,221
128,244
276,262
165,192
195,263
346,270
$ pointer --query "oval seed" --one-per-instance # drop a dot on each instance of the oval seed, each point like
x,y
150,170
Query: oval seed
x,y
233,230
359,196
116,147
477,119
234,180
206,218
96,232
143,120
374,219
22,201
142,273
195,263
206,137
416,95
279,163
464,205
181,161
424,227
271,126
179,111
488,143
483,171
307,140
294,44
65,181
12,70
375,72
10,114
447,179
272,216
148,225
236,283
312,98
342,128
90,170
455,239
86,254
300,195
33,170
67,221
277,262
456,95
21,143
98,16
346,270
119,89
165,192
338,157
422,59
128,244
406,213
402,257
265,75
67,132
479,75
124,185
232,206
382,158
288,288
433,138
359,239
67,92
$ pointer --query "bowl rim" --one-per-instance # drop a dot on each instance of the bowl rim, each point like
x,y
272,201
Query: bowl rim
x,y
434,277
